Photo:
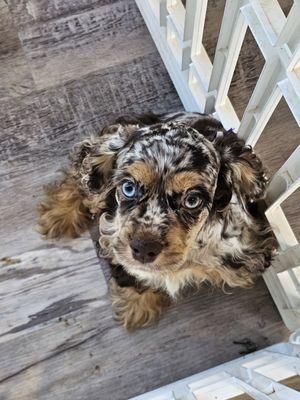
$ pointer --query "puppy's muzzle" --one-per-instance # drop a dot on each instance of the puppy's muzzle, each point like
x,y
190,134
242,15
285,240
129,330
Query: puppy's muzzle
x,y
145,250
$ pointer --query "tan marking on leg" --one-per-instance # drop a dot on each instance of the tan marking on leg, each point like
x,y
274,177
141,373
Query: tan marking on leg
x,y
63,214
137,310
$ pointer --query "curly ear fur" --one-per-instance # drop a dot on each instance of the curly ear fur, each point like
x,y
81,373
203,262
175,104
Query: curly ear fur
x,y
63,213
223,192
241,170
86,186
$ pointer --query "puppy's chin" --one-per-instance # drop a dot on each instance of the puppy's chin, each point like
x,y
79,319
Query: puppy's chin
x,y
163,263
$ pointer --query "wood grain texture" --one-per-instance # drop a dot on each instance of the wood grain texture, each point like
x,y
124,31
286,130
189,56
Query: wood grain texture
x,y
73,349
241,397
84,42
48,282
293,382
15,77
26,12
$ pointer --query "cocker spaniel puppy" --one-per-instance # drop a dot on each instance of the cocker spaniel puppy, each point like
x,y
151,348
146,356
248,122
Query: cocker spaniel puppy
x,y
175,196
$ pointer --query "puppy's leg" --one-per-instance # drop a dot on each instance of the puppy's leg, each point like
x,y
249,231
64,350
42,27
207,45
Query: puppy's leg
x,y
136,309
63,213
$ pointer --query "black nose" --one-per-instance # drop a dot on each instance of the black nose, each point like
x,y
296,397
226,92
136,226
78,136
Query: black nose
x,y
145,250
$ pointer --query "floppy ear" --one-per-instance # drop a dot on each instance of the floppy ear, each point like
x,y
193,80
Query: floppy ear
x,y
223,192
86,188
93,160
208,126
241,170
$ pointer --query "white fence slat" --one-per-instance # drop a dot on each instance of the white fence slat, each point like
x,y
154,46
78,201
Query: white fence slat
x,y
233,30
279,295
258,32
262,104
155,6
291,348
283,184
158,34
251,391
291,98
226,113
285,295
289,258
266,385
163,12
287,178
294,276
180,30
203,66
271,17
258,375
177,14
190,12
290,31
208,380
281,227
223,386
181,50
197,86
199,21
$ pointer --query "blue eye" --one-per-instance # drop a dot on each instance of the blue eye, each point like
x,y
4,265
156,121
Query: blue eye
x,y
129,189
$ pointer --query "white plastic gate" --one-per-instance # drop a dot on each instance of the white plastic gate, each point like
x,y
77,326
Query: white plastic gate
x,y
264,375
202,86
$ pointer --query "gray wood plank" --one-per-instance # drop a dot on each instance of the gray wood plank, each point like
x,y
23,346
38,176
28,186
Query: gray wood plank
x,y
15,76
64,343
28,12
51,280
80,107
58,329
70,47
53,289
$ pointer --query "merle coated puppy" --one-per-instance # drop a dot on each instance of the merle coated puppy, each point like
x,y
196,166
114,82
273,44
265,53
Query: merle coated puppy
x,y
173,194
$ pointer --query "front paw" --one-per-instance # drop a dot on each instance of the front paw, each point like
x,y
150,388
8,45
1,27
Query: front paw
x,y
62,213
134,309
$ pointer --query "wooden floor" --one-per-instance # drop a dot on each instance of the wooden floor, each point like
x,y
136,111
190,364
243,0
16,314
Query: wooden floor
x,y
67,68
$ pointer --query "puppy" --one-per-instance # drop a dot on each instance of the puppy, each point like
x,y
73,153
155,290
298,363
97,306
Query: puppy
x,y
175,196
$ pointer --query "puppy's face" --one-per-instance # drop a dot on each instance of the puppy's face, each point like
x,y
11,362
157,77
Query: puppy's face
x,y
164,181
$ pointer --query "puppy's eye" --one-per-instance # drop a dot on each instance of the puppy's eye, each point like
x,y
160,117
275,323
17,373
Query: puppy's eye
x,y
129,189
192,200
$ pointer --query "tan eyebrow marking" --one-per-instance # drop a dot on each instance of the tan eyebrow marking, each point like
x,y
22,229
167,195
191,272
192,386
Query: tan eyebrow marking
x,y
142,173
184,181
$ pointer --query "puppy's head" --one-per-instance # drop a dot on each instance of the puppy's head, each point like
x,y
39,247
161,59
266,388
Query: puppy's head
x,y
158,184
